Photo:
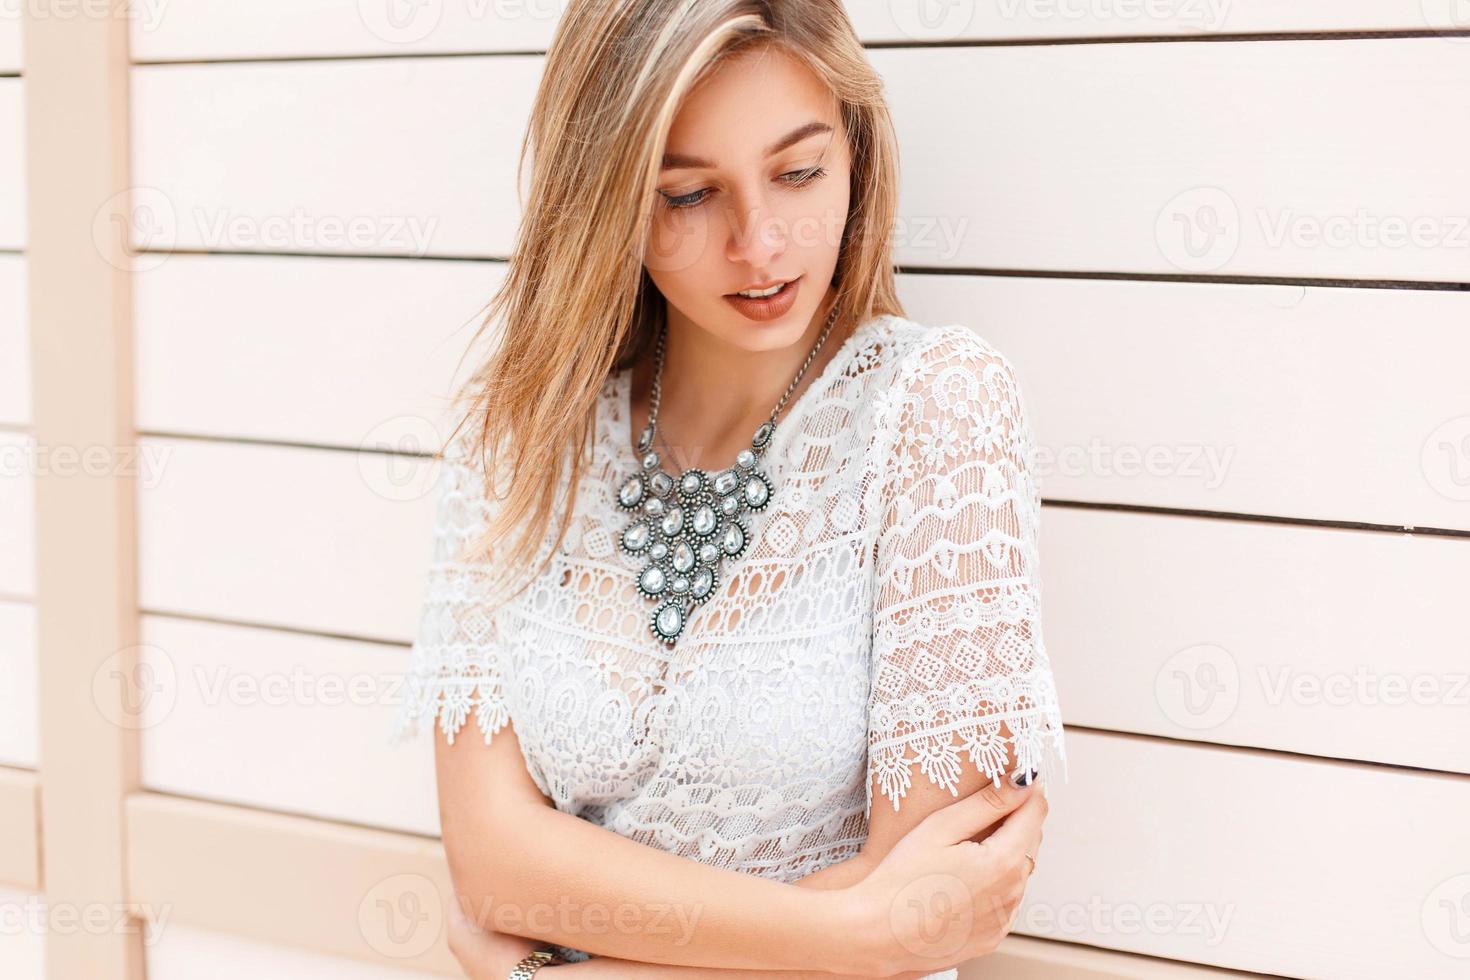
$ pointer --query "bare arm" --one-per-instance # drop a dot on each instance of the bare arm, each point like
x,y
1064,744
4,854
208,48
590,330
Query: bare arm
x,y
524,868
886,828
488,954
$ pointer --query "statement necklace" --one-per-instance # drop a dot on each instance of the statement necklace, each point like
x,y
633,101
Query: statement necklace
x,y
686,527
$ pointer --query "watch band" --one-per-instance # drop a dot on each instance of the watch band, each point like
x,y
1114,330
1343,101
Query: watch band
x,y
532,962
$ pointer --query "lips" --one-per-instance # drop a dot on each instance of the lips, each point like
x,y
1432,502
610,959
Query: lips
x,y
768,307
762,285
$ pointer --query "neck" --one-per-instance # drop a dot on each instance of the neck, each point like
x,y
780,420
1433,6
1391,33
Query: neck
x,y
716,394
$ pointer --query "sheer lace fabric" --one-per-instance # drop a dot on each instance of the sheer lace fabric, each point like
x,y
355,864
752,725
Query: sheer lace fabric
x,y
882,626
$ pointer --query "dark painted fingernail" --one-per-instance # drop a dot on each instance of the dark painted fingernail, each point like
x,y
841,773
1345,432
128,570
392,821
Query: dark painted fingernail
x,y
1026,778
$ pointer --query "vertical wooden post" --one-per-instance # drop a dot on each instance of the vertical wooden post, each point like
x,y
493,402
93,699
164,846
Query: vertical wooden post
x,y
76,107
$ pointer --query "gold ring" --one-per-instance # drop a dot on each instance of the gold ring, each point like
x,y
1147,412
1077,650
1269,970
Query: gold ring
x,y
1033,863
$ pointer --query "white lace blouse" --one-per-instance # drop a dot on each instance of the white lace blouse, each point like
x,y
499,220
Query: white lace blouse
x,y
883,623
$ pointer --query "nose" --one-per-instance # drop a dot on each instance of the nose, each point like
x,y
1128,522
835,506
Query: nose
x,y
756,236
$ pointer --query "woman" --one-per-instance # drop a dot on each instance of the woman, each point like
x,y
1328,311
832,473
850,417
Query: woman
x,y
716,638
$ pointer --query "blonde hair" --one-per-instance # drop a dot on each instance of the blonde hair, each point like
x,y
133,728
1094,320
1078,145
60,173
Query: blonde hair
x,y
576,303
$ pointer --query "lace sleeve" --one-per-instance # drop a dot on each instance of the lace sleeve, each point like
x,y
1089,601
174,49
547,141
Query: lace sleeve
x,y
959,668
455,663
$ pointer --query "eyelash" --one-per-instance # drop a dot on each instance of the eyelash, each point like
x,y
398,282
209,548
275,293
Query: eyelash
x,y
801,179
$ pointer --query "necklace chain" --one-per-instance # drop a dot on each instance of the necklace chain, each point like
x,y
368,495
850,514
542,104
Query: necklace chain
x,y
658,370
686,527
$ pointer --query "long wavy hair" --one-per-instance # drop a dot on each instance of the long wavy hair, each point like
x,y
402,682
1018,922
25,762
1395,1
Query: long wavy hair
x,y
576,303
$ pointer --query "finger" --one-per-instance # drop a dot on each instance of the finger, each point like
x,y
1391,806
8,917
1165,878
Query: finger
x,y
1020,831
980,810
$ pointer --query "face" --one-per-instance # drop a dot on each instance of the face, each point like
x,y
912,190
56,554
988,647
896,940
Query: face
x,y
754,192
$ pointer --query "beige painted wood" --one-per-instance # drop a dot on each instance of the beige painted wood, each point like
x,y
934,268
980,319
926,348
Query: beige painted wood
x,y
341,351
213,29
12,165
1185,158
182,952
1078,175
1320,403
15,355
1141,871
346,883
336,351
20,818
242,699
18,469
79,299
10,54
1025,958
307,538
313,547
22,951
1253,860
19,725
1328,642
914,20
346,891
366,189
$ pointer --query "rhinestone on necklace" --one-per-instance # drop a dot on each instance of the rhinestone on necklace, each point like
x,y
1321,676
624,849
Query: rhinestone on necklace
x,y
686,527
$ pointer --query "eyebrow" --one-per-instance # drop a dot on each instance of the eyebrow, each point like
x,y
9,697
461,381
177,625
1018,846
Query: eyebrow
x,y
681,161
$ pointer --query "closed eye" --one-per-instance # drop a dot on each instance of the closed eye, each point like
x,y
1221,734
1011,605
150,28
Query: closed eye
x,y
794,178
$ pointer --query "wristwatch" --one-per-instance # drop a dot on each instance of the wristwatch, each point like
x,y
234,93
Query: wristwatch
x,y
534,961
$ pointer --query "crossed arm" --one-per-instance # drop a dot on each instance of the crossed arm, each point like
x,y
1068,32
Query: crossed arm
x,y
520,867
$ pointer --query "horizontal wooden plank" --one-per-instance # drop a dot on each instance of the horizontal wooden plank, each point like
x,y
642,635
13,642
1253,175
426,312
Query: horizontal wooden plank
x,y
1328,642
1256,172
347,352
345,872
350,887
209,29
309,544
328,540
10,60
181,952
18,466
914,20
1260,175
1267,391
237,700
20,816
1185,862
19,723
12,164
1025,958
23,951
353,187
1254,861
1273,400
15,361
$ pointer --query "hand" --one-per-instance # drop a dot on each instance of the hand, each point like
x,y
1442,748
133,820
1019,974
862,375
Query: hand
x,y
951,887
484,954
